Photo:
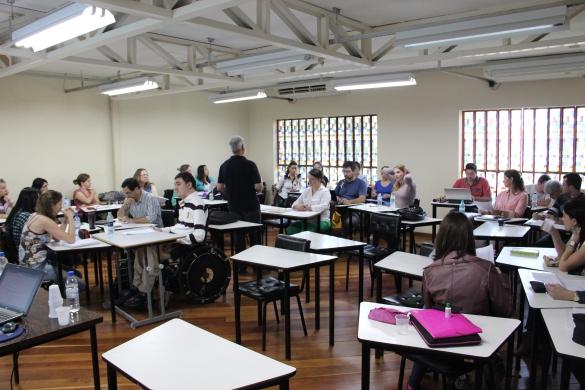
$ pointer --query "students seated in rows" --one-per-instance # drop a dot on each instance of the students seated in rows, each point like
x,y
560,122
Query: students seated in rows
x,y
571,190
478,186
23,208
141,175
205,183
458,277
290,182
183,168
5,201
542,198
571,256
513,201
404,188
384,185
358,173
192,210
84,195
40,184
314,198
351,190
319,166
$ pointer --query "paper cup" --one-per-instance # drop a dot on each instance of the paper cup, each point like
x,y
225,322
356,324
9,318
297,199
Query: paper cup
x,y
55,294
63,315
402,321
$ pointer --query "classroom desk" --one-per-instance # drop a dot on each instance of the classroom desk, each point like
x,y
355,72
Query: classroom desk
x,y
218,231
507,260
492,231
126,226
323,243
559,324
215,203
436,204
286,261
378,335
412,225
400,264
177,355
288,213
128,240
41,329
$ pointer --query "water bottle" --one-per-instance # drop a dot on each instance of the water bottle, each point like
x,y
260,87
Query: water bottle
x,y
392,200
3,262
211,195
77,223
462,206
379,200
72,292
110,225
534,200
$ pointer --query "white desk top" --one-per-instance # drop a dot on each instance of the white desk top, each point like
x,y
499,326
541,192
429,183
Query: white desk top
x,y
451,204
495,332
320,242
560,325
493,230
280,258
373,208
538,223
125,226
492,218
235,225
80,245
287,212
406,263
177,355
537,263
543,300
127,240
214,202
426,221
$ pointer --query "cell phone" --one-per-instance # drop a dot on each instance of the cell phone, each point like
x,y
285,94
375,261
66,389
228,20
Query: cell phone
x,y
538,287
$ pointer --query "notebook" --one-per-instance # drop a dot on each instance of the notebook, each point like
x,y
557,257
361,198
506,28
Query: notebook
x,y
456,195
18,287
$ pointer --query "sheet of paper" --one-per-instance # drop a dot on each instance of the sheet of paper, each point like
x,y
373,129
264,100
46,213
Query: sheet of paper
x,y
546,277
573,283
484,205
485,253
134,232
81,243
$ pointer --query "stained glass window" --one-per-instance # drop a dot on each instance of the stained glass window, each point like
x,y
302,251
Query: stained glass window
x,y
331,140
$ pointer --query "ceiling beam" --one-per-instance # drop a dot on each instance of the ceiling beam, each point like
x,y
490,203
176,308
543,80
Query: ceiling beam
x,y
130,7
293,23
240,18
110,54
188,43
340,34
263,15
383,50
314,10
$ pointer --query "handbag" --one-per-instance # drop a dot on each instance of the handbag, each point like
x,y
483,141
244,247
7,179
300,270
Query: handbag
x,y
336,220
438,331
413,213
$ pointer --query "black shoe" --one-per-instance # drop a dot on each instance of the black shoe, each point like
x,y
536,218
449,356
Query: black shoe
x,y
137,301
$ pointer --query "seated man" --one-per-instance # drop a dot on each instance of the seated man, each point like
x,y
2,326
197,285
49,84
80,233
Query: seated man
x,y
478,186
350,190
140,207
192,210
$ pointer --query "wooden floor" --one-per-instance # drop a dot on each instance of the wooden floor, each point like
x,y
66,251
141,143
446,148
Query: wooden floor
x,y
66,364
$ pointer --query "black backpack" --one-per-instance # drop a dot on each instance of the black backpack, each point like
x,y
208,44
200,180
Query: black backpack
x,y
220,217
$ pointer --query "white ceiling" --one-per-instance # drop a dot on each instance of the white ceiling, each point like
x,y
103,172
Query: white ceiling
x,y
78,58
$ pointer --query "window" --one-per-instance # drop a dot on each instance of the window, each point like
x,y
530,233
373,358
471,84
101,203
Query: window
x,y
330,140
531,140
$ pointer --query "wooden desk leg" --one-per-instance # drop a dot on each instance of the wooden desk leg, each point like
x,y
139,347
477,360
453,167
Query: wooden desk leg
x,y
361,276
112,380
15,367
94,358
332,303
287,314
509,362
365,367
317,298
111,287
237,301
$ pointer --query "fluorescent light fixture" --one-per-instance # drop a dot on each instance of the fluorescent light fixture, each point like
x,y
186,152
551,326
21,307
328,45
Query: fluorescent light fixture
x,y
128,86
527,50
238,96
499,26
370,82
535,68
265,61
60,26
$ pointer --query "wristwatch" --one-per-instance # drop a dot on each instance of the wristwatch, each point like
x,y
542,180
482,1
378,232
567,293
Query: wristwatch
x,y
575,297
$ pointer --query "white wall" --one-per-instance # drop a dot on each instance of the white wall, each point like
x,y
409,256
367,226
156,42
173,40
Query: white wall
x,y
418,126
48,133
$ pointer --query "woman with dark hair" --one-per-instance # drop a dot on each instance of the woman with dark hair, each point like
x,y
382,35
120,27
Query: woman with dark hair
x,y
314,198
84,195
41,185
141,175
23,208
291,182
204,182
5,201
571,256
513,201
319,166
458,277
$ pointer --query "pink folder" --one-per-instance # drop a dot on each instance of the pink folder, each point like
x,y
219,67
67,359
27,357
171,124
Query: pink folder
x,y
439,327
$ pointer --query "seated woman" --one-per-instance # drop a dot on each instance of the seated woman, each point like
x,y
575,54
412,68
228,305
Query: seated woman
x,y
384,185
5,201
41,185
513,201
571,256
84,195
460,278
23,208
314,198
141,175
204,182
404,188
40,228
319,166
291,182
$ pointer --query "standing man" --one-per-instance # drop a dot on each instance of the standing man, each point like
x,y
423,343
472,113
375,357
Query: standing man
x,y
239,180
479,186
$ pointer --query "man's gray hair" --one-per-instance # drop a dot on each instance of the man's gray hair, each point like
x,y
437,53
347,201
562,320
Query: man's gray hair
x,y
236,143
552,186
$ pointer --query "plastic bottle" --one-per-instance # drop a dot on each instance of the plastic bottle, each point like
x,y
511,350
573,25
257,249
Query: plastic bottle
x,y
110,225
462,206
211,195
72,292
379,200
77,224
3,262
448,310
392,200
534,200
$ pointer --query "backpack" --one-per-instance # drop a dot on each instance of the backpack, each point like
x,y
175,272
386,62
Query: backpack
x,y
220,217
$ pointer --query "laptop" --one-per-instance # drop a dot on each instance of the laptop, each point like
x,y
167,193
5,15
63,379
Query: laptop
x,y
18,287
456,195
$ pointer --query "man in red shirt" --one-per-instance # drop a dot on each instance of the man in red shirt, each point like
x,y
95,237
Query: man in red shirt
x,y
479,186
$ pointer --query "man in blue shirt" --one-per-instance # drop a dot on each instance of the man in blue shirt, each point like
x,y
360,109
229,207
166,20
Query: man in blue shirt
x,y
350,190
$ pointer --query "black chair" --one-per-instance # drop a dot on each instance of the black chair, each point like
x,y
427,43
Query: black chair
x,y
271,289
168,217
10,250
384,227
168,194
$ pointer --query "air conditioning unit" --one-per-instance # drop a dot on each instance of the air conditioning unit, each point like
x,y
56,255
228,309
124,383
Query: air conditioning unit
x,y
303,89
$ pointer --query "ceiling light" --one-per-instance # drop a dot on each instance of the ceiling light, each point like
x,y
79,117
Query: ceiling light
x,y
534,68
60,26
527,22
128,86
238,96
573,45
370,82
265,61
